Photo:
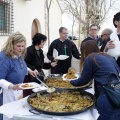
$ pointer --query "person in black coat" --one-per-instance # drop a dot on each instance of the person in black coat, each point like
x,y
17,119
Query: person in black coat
x,y
35,60
105,36
64,47
93,31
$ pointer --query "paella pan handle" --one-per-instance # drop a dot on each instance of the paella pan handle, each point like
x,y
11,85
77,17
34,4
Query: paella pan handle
x,y
35,112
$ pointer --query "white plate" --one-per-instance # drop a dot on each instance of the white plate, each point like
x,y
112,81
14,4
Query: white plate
x,y
39,89
34,85
76,75
62,57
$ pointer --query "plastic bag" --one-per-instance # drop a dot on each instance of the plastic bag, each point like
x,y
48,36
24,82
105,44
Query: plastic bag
x,y
116,51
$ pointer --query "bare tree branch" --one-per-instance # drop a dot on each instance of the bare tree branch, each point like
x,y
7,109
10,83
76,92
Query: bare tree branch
x,y
92,11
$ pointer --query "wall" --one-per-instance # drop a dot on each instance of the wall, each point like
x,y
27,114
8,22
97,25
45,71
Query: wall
x,y
55,20
26,11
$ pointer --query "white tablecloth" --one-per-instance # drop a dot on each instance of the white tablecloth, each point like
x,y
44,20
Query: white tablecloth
x,y
19,110
88,115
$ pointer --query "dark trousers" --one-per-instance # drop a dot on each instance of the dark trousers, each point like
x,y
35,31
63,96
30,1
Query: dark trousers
x,y
106,111
96,89
1,103
28,79
28,91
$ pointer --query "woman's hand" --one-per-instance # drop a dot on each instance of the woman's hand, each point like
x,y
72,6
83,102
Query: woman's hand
x,y
53,64
56,60
34,73
14,87
109,45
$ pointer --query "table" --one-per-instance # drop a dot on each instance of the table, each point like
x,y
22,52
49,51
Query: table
x,y
88,115
19,110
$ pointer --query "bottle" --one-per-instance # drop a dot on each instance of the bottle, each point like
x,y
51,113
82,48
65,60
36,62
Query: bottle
x,y
65,50
98,43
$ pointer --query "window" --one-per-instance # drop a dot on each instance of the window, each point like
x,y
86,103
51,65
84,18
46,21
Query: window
x,y
6,17
2,17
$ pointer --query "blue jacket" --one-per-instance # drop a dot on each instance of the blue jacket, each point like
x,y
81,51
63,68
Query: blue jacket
x,y
100,71
12,70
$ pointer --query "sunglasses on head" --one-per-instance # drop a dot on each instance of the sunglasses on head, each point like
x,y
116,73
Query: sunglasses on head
x,y
104,34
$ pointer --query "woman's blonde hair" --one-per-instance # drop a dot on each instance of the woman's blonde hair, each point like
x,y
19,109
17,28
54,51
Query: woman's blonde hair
x,y
12,40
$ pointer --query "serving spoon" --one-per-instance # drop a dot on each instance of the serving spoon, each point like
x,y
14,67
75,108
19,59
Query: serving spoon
x,y
50,90
42,82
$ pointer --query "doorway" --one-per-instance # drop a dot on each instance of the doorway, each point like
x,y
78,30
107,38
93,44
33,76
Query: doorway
x,y
35,27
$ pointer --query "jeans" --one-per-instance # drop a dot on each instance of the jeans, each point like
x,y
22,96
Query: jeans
x,y
106,111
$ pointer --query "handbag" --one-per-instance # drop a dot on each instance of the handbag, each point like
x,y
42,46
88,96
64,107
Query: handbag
x,y
112,91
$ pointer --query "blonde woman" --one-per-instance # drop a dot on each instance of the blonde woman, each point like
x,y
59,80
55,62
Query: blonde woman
x,y
12,68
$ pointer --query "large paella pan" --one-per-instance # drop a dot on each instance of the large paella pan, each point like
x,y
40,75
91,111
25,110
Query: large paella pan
x,y
61,102
58,82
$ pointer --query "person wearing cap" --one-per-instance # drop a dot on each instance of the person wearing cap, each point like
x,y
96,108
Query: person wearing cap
x,y
105,37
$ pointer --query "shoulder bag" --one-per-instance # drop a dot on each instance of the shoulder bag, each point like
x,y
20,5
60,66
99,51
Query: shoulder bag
x,y
112,91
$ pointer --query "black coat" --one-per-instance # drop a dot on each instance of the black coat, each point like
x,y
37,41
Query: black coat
x,y
104,44
99,40
35,61
71,49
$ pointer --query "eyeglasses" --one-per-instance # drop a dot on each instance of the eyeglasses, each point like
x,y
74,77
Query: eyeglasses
x,y
104,34
64,33
93,29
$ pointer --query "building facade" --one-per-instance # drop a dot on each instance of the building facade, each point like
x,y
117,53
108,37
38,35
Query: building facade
x,y
29,17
